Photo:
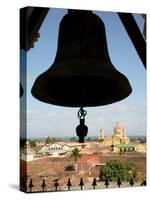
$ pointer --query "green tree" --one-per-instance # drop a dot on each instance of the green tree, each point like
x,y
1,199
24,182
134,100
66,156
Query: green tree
x,y
48,140
73,139
115,169
132,171
32,143
142,140
89,139
101,140
105,172
75,154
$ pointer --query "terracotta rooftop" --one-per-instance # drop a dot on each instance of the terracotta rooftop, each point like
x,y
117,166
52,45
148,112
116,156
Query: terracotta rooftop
x,y
91,158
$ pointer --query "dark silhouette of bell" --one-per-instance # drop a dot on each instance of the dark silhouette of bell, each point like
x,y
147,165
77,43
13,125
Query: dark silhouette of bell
x,y
21,90
82,66
81,130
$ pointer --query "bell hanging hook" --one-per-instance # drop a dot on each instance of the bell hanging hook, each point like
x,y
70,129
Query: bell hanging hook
x,y
82,113
82,129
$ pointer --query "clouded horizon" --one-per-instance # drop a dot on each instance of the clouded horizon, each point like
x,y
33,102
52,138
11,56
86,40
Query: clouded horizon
x,y
62,123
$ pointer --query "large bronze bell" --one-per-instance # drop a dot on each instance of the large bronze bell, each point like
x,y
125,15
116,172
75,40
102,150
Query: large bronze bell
x,y
82,73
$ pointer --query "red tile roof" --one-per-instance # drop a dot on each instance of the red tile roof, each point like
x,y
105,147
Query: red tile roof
x,y
91,158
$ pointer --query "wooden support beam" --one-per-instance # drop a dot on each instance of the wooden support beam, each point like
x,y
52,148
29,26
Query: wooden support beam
x,y
31,19
135,35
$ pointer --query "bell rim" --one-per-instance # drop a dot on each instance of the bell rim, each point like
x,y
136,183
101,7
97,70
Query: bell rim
x,y
53,75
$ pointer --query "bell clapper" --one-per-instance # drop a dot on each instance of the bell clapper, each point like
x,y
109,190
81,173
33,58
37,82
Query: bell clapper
x,y
81,129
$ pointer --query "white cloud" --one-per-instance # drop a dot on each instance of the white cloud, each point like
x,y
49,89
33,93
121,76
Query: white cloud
x,y
63,122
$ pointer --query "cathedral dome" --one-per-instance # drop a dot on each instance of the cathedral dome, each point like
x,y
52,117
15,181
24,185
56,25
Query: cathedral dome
x,y
117,129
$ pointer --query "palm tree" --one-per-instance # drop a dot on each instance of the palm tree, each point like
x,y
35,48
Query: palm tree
x,y
75,154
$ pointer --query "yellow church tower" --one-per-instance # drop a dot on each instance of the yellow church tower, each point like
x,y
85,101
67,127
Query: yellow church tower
x,y
118,136
101,134
117,129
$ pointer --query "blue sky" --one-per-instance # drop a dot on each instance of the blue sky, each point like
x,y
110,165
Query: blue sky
x,y
45,119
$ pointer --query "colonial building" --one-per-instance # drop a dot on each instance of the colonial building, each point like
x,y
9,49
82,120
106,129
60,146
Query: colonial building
x,y
118,136
132,147
54,150
59,149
